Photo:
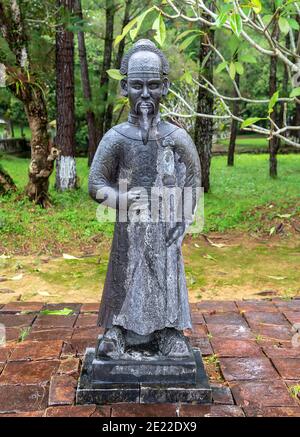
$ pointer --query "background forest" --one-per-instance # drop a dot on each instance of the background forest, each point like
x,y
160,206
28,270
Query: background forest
x,y
235,86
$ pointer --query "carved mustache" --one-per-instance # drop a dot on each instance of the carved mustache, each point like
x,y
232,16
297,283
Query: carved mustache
x,y
147,104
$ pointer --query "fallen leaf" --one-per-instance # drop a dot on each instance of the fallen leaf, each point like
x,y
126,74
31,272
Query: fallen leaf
x,y
67,256
284,215
6,291
44,293
209,257
17,277
267,293
277,278
64,312
216,244
4,256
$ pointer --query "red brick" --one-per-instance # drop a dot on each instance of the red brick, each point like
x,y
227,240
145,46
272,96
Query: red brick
x,y
52,321
210,411
281,352
37,350
62,390
143,410
17,307
230,331
71,411
103,411
13,334
292,305
203,344
24,414
221,394
16,320
247,369
229,318
50,334
77,347
216,306
23,397
292,316
87,333
199,331
256,305
90,308
69,366
86,320
262,394
28,372
272,411
271,318
288,368
274,332
5,352
236,348
197,318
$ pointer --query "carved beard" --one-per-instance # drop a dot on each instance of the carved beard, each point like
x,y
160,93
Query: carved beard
x,y
146,115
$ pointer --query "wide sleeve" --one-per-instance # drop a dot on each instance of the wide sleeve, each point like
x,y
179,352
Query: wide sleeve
x,y
188,154
104,171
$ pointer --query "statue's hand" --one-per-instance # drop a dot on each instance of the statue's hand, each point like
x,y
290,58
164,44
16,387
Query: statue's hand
x,y
175,233
134,198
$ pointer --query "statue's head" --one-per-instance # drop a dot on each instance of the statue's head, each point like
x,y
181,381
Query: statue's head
x,y
146,82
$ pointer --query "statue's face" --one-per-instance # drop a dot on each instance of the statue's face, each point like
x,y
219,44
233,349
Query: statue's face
x,y
145,85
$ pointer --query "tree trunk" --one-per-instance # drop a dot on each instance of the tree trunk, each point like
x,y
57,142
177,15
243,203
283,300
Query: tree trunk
x,y
87,91
204,126
104,118
42,153
6,183
296,118
117,65
65,121
234,127
274,142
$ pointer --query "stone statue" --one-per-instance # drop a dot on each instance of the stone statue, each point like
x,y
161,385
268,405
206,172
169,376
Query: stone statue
x,y
139,169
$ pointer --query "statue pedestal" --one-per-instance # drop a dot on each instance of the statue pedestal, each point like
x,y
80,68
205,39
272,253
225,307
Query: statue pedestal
x,y
140,379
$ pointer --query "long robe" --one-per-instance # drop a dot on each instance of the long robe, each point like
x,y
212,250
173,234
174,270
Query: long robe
x,y
145,288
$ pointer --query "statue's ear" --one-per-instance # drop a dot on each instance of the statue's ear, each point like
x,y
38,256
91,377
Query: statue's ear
x,y
124,87
166,86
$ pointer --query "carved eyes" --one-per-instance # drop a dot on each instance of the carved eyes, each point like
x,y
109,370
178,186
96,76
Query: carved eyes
x,y
151,86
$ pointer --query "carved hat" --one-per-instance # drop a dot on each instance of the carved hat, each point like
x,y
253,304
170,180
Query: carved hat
x,y
144,63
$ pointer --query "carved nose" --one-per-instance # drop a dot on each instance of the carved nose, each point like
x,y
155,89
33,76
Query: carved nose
x,y
145,93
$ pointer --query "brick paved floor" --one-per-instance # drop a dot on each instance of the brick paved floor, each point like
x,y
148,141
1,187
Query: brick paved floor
x,y
253,366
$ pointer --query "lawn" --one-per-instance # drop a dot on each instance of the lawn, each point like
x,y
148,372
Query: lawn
x,y
248,142
240,259
241,198
17,132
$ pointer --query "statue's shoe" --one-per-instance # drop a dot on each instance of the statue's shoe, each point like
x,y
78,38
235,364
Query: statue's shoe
x,y
112,344
173,344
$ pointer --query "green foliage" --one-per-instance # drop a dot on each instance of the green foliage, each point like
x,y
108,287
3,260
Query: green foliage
x,y
236,24
63,312
115,74
160,28
237,193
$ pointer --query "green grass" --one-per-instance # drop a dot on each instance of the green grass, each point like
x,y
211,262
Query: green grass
x,y
17,132
248,141
240,199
